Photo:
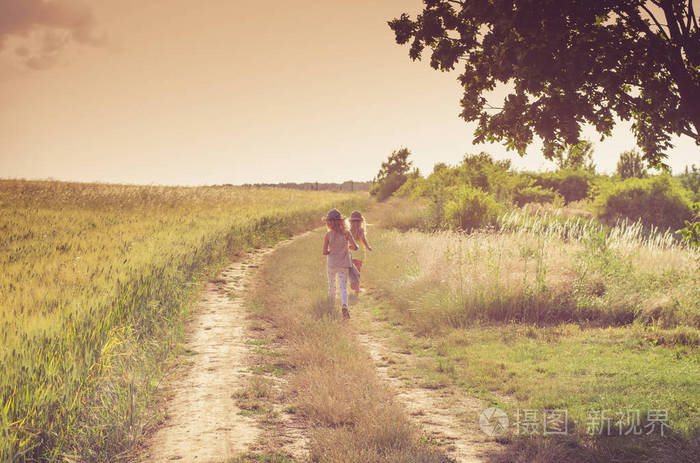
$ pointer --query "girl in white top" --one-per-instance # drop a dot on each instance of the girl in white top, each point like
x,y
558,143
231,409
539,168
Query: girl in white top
x,y
335,246
357,230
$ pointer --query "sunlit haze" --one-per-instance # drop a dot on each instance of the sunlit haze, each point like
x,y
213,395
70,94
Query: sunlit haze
x,y
227,91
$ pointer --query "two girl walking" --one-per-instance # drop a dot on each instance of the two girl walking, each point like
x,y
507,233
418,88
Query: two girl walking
x,y
337,245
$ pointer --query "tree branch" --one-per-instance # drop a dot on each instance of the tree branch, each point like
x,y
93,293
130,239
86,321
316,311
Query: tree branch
x,y
691,15
671,21
688,132
633,101
634,17
684,26
656,21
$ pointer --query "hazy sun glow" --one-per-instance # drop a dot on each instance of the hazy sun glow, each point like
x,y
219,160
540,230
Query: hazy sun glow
x,y
227,91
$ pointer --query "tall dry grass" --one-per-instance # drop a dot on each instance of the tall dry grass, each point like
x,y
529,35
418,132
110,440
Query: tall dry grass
x,y
96,281
353,417
539,269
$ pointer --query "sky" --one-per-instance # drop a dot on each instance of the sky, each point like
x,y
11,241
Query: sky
x,y
182,92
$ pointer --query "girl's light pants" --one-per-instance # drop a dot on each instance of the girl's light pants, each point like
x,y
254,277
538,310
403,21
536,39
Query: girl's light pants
x,y
342,273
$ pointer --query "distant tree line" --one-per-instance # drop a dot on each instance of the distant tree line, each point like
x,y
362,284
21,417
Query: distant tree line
x,y
349,185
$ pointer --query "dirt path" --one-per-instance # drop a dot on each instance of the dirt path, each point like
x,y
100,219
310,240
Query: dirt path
x,y
447,415
203,423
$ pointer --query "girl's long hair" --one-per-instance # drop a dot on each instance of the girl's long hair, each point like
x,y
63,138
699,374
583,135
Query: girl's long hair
x,y
356,229
338,225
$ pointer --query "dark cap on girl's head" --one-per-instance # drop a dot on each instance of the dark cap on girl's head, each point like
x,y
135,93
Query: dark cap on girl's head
x,y
356,215
334,214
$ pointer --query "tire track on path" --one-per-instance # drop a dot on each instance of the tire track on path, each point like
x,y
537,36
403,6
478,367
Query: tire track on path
x,y
447,415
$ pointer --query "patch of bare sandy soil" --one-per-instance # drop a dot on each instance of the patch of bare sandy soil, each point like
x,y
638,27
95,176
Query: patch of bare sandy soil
x,y
203,422
447,416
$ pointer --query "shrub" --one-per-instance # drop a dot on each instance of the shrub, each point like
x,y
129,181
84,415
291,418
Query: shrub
x,y
478,170
383,189
414,187
535,194
573,185
471,208
690,180
691,233
653,200
482,171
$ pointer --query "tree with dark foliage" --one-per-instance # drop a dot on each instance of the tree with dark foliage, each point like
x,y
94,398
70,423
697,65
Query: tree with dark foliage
x,y
393,173
567,63
577,157
631,165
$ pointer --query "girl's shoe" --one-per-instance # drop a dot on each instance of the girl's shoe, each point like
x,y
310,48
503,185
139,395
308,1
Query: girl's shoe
x,y
346,314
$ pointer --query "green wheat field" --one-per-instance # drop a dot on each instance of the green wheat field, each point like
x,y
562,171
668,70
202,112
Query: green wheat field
x,y
96,281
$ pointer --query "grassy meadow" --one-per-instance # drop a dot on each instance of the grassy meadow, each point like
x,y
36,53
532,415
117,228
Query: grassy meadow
x,y
550,311
545,309
96,281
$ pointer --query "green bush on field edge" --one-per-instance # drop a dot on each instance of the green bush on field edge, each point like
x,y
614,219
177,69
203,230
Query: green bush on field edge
x,y
536,194
472,208
653,200
384,189
573,185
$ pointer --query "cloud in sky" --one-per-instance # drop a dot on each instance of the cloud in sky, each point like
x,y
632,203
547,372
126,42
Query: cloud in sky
x,y
43,28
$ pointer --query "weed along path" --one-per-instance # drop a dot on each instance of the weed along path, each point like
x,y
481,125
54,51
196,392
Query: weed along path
x,y
203,422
